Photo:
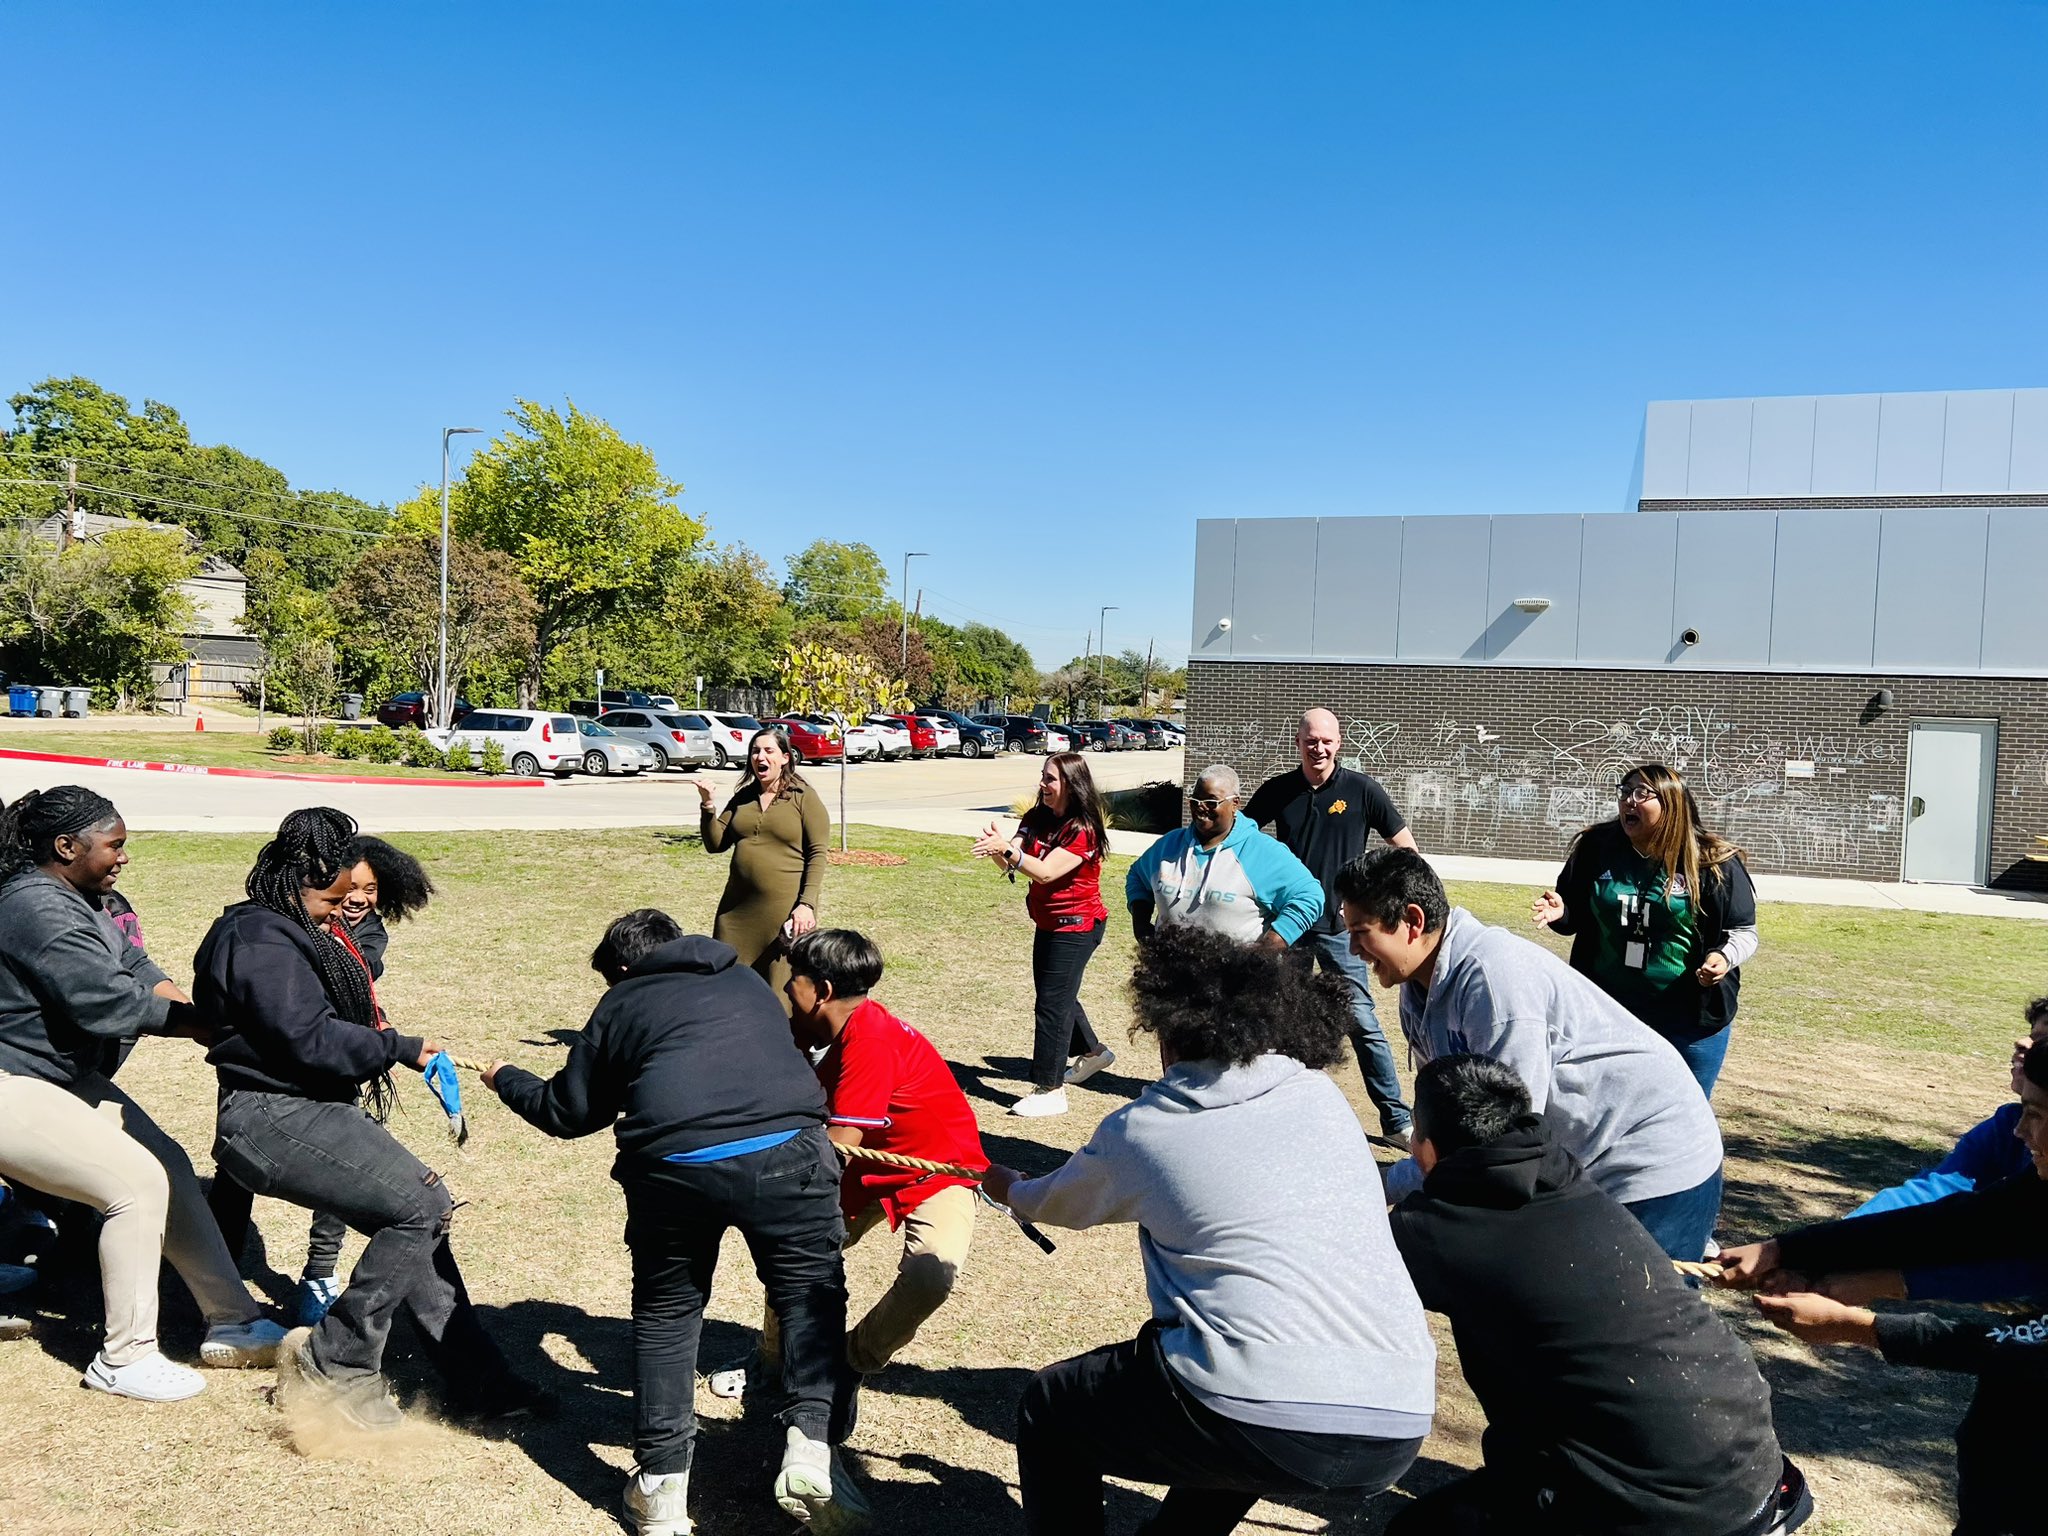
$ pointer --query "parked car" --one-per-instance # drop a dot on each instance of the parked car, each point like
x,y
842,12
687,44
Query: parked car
x,y
1150,736
403,709
945,734
606,751
1129,737
534,742
976,739
1171,735
730,735
1094,735
863,742
897,740
1021,733
672,737
808,742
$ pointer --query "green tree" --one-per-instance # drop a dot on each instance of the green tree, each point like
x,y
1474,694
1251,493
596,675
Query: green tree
x,y
589,518
103,612
301,635
389,606
735,618
836,582
819,679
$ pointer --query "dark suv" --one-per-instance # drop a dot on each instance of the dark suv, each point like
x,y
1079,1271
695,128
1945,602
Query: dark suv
x,y
1021,733
403,709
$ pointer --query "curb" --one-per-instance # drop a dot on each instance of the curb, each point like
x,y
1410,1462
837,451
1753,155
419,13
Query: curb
x,y
266,773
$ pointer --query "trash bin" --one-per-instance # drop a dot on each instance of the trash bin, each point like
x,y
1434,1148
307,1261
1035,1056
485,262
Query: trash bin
x,y
351,706
50,702
21,699
76,701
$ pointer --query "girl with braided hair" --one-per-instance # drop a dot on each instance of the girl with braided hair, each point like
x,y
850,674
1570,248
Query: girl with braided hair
x,y
73,992
294,1020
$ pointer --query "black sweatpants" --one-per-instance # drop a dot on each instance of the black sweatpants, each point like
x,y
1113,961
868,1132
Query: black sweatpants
x,y
1485,1504
785,1202
1118,1412
1059,959
1998,1487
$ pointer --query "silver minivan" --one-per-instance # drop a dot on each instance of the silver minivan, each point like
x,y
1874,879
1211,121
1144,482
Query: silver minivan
x,y
682,740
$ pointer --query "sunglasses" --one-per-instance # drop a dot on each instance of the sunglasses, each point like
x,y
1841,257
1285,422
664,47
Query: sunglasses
x,y
1208,805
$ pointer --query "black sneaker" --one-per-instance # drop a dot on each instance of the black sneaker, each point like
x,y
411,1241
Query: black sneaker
x,y
506,1402
1794,1504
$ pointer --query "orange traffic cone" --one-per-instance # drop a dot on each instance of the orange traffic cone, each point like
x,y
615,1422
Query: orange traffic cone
x,y
199,724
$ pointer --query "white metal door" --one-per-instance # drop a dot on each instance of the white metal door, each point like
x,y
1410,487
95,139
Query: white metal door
x,y
1948,800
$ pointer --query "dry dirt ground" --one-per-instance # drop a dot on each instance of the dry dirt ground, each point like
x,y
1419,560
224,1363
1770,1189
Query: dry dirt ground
x,y
1867,1040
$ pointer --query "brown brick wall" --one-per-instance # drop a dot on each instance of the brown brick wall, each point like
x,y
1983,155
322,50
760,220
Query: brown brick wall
x,y
1513,761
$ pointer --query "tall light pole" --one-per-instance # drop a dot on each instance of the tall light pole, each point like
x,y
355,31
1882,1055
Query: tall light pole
x,y
444,705
908,556
1102,651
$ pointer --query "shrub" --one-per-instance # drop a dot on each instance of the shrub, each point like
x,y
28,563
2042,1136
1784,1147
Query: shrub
x,y
349,745
415,751
458,758
1154,807
285,738
381,744
324,739
492,758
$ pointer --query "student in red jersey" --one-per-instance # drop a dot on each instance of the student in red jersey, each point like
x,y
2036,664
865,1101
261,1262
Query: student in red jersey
x,y
886,1087
1058,847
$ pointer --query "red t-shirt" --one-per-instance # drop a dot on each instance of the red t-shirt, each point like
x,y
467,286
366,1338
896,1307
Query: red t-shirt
x,y
887,1081
1075,899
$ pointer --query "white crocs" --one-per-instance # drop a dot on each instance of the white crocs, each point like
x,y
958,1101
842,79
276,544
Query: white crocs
x,y
152,1379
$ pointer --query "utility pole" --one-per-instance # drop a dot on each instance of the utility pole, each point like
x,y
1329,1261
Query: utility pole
x,y
908,556
444,702
1102,656
70,533
1145,688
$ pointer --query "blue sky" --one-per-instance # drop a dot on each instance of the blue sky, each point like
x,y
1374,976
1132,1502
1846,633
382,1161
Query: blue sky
x,y
1032,287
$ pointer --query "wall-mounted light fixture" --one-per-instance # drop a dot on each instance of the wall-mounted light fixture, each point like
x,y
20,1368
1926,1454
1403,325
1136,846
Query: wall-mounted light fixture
x,y
1532,604
1223,623
1688,637
1882,700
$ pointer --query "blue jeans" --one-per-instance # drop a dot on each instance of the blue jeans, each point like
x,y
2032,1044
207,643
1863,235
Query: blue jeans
x,y
1683,1222
1332,951
1703,1058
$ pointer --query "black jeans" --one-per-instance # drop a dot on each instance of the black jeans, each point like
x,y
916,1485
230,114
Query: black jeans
x,y
1998,1489
333,1157
785,1202
1118,1412
1059,958
231,1204
1485,1504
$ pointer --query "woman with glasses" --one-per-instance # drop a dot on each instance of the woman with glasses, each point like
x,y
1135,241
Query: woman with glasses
x,y
1662,915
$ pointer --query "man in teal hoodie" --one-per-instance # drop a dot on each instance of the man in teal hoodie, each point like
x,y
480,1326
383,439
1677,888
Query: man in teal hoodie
x,y
1220,872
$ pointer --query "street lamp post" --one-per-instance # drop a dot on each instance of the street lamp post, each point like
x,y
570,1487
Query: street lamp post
x,y
444,705
1102,653
908,556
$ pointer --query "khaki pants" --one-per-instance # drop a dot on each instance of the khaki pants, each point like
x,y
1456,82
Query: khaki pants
x,y
936,1237
93,1144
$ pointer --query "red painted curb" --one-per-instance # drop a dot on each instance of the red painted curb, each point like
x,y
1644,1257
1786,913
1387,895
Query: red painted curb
x,y
267,773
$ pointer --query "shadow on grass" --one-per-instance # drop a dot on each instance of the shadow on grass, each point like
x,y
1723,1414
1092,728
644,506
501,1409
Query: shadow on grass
x,y
1856,1164
1014,1072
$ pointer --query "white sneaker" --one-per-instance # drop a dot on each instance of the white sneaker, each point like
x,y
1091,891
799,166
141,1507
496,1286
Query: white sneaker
x,y
1085,1067
233,1346
655,1503
813,1486
152,1379
1049,1101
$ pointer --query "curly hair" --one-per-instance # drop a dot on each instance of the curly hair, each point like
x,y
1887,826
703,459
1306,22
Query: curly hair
x,y
403,887
1209,998
30,827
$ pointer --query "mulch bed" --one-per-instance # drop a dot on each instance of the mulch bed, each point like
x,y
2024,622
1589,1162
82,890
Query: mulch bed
x,y
865,856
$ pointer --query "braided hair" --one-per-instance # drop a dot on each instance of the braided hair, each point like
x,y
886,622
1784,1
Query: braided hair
x,y
29,828
312,849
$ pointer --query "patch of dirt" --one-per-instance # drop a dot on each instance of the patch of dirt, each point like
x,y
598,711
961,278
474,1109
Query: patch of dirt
x,y
867,858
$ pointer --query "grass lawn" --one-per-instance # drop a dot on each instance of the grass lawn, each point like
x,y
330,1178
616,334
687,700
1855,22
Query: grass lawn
x,y
211,749
1867,1040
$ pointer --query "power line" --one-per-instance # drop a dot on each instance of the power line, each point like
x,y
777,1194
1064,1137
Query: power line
x,y
288,498
193,506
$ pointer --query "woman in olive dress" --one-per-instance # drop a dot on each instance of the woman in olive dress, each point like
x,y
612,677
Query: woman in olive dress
x,y
778,831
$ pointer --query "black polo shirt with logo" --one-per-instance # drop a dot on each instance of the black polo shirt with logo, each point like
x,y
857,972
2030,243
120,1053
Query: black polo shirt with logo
x,y
1326,828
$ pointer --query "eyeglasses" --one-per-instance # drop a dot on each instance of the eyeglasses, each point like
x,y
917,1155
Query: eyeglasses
x,y
1208,805
1633,792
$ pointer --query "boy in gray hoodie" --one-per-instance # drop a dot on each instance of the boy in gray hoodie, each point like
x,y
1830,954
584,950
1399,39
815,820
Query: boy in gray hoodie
x,y
1617,1095
1288,1353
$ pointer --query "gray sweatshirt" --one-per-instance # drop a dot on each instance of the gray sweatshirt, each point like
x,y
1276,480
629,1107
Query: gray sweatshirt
x,y
1267,1251
1617,1094
72,987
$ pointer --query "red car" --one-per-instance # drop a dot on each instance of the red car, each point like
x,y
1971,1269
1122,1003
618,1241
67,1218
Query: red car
x,y
924,741
807,742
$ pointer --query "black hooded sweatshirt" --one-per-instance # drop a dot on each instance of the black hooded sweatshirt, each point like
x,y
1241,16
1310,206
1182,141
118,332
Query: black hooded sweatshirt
x,y
691,1048
1611,1390
275,1030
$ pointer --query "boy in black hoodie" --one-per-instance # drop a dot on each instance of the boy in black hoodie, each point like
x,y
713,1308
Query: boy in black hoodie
x,y
1617,1403
720,1123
